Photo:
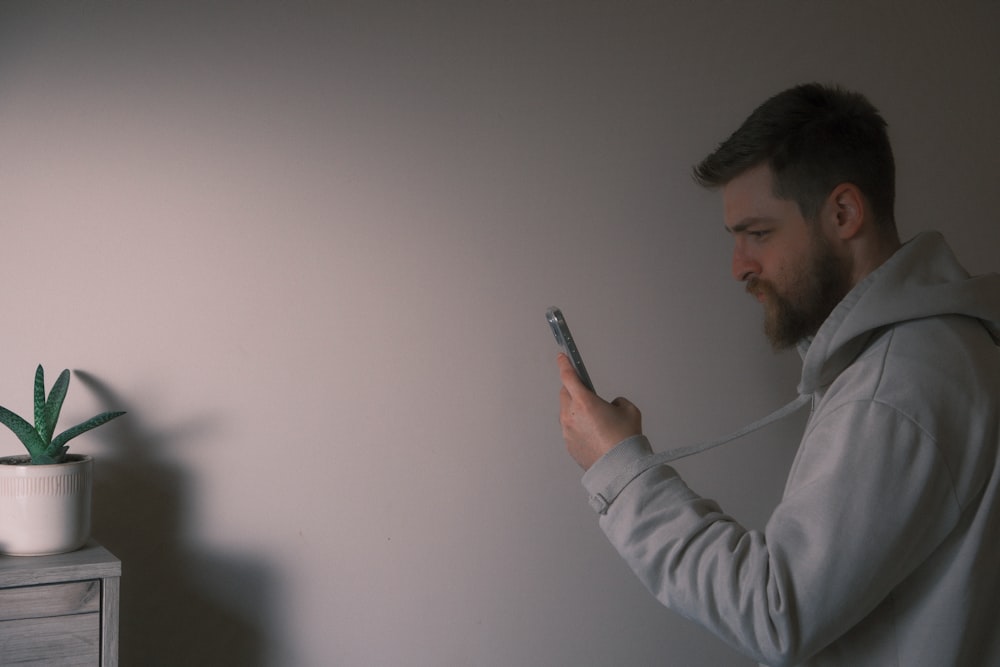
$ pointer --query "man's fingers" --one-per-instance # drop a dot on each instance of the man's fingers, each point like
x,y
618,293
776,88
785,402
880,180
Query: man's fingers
x,y
622,402
629,409
570,380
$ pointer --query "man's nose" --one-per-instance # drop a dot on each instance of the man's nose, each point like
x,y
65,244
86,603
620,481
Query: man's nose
x,y
744,266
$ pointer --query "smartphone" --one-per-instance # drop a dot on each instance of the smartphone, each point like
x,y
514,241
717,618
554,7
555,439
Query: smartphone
x,y
565,340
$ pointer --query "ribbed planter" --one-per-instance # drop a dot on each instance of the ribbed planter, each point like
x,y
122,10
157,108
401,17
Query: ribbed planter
x,y
44,509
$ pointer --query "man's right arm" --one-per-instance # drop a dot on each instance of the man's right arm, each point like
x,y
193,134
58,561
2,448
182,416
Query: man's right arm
x,y
845,534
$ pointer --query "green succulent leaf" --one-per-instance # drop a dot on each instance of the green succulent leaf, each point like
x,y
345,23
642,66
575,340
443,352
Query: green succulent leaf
x,y
24,431
79,429
53,406
40,403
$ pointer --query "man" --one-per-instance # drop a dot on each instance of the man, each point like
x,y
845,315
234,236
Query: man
x,y
885,548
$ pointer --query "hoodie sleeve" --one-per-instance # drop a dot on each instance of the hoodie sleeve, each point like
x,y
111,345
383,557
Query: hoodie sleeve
x,y
870,498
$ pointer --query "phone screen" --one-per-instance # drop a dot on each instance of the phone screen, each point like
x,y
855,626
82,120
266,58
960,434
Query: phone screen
x,y
565,340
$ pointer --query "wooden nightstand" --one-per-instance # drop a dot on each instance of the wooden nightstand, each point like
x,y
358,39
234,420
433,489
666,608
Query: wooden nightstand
x,y
60,610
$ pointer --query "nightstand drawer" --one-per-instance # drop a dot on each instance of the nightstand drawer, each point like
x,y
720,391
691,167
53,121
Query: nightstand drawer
x,y
55,640
77,597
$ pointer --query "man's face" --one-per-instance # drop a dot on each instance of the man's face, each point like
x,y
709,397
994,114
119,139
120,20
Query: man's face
x,y
784,259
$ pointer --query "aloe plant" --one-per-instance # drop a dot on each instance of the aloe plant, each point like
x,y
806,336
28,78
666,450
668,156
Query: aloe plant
x,y
38,440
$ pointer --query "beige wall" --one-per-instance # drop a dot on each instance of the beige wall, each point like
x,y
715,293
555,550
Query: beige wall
x,y
308,247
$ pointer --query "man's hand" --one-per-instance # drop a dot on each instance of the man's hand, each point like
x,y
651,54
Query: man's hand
x,y
591,426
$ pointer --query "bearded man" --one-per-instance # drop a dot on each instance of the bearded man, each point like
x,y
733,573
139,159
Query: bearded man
x,y
883,550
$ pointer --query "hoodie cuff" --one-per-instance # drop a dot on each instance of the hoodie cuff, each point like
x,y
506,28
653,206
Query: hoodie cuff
x,y
603,479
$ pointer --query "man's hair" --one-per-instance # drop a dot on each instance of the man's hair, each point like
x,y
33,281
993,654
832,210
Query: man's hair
x,y
813,138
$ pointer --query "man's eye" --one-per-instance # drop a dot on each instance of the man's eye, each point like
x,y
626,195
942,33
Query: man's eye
x,y
759,233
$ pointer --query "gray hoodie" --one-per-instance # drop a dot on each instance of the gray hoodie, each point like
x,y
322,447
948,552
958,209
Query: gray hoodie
x,y
885,548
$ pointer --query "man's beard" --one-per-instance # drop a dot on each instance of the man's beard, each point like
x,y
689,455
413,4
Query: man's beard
x,y
817,285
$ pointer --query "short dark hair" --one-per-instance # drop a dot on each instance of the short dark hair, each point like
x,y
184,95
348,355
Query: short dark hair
x,y
813,137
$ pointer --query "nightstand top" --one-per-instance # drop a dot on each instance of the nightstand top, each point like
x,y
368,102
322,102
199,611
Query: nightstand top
x,y
90,562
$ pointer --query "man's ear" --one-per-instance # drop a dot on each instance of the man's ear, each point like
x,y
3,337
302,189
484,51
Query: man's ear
x,y
846,211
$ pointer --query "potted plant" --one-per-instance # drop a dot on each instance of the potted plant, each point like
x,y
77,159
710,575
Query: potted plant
x,y
45,495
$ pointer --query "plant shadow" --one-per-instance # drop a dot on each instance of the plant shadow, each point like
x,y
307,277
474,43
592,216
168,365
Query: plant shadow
x,y
180,604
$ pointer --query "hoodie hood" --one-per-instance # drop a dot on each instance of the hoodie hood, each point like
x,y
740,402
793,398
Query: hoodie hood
x,y
922,279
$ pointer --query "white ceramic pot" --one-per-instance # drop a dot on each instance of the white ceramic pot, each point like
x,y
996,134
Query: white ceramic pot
x,y
44,509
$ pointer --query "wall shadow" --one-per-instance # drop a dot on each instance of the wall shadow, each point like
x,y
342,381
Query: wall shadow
x,y
180,603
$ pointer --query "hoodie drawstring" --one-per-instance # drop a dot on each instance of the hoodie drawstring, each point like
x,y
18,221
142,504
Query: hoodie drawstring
x,y
602,501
